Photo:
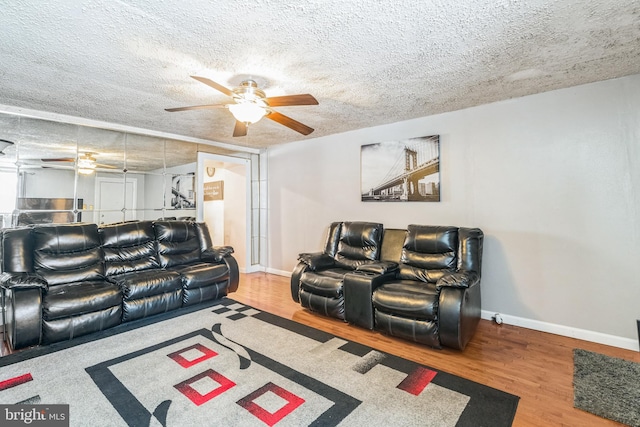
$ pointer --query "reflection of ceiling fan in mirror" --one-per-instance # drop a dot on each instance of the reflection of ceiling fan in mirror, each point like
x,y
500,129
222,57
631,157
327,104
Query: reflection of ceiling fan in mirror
x,y
250,104
4,144
86,162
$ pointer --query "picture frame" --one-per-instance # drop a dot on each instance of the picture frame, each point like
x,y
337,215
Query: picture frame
x,y
406,170
183,191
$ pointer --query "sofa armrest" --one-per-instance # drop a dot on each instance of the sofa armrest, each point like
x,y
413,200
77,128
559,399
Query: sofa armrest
x,y
23,310
216,253
23,281
378,267
234,272
298,270
461,279
459,313
317,260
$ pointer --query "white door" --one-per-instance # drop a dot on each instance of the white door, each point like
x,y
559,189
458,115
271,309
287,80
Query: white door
x,y
112,196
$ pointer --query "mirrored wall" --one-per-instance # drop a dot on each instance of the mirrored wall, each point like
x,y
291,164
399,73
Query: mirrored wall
x,y
54,172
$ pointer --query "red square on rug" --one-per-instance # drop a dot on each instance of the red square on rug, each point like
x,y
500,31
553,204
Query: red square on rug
x,y
270,418
186,359
186,387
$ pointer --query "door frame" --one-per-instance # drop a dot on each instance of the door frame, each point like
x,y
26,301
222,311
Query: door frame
x,y
200,171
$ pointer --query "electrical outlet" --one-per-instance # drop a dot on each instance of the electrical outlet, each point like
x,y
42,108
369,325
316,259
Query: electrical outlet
x,y
497,318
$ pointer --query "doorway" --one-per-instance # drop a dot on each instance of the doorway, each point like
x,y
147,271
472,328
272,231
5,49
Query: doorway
x,y
224,204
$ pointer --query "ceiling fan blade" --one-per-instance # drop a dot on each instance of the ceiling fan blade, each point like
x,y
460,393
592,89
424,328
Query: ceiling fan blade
x,y
240,129
289,122
196,107
100,165
301,99
216,86
64,159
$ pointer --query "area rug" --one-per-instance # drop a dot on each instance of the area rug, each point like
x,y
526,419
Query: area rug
x,y
607,386
232,365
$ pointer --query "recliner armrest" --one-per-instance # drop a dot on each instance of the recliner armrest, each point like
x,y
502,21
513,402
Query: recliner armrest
x,y
378,267
462,279
23,281
216,253
317,260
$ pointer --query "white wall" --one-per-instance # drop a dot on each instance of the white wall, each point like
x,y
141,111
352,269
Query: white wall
x,y
227,218
213,210
552,179
235,212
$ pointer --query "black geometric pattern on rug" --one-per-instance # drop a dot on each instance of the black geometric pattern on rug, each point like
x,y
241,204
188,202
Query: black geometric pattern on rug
x,y
205,365
482,405
135,414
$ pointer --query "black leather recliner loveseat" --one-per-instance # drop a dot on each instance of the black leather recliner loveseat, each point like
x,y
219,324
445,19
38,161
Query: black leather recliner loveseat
x,y
66,280
420,284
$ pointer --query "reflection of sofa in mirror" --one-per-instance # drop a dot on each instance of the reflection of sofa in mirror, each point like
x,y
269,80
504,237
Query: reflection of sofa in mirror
x,y
55,211
63,281
45,159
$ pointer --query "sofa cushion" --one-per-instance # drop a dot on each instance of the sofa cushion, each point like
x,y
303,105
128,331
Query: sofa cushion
x,y
16,251
177,242
428,252
333,307
407,298
140,284
76,298
360,240
69,327
420,331
153,304
67,253
128,246
327,283
202,274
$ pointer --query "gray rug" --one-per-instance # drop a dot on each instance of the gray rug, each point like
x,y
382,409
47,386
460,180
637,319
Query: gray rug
x,y
230,364
607,386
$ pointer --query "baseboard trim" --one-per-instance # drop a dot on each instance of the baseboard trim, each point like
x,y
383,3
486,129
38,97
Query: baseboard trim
x,y
253,269
567,331
278,272
536,325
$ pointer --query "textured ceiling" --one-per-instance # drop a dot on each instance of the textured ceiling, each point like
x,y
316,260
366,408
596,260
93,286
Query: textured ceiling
x,y
368,62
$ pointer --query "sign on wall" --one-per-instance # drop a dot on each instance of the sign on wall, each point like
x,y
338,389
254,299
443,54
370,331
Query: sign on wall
x,y
213,190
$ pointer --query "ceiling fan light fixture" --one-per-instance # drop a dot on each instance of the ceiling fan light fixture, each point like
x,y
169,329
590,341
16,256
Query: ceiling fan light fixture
x,y
247,111
86,165
82,171
250,105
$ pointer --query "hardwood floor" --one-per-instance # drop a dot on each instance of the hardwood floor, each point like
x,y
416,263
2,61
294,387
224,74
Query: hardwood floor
x,y
536,366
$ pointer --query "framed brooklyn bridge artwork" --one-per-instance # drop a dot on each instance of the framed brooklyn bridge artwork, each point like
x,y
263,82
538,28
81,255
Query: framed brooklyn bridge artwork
x,y
406,170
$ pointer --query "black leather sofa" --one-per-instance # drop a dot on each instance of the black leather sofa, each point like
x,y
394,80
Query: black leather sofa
x,y
66,280
420,284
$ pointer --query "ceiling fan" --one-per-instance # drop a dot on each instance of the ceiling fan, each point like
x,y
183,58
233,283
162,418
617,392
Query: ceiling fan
x,y
86,162
250,104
